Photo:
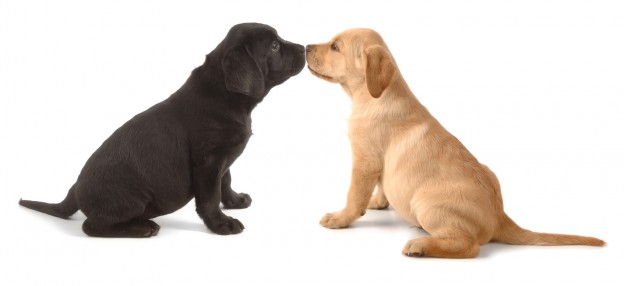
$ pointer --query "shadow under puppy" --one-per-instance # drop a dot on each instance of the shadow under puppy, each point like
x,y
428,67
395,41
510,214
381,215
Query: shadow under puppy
x,y
182,147
419,168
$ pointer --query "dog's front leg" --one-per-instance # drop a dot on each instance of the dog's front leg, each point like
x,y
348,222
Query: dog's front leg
x,y
207,182
364,175
230,198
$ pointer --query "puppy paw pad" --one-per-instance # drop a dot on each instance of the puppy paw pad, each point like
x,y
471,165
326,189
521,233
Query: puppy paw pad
x,y
414,248
239,201
414,254
227,226
333,220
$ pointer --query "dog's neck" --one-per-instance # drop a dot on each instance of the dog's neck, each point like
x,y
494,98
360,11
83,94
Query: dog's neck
x,y
396,102
354,87
203,89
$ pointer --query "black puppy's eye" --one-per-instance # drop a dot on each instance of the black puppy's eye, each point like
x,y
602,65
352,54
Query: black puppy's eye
x,y
334,47
275,46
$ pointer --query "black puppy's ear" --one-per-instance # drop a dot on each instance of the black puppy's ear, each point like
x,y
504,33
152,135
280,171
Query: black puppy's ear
x,y
242,73
380,70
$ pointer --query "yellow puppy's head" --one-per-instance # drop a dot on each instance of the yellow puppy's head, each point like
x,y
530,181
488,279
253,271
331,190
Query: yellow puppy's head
x,y
355,58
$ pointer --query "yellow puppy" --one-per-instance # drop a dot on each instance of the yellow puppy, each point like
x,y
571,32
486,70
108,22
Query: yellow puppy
x,y
419,168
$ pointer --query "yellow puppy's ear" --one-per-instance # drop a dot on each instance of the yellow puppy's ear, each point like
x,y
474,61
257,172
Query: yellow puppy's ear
x,y
380,69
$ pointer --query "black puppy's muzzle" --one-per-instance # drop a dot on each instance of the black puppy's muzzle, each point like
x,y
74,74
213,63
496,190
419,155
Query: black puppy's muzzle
x,y
299,57
299,49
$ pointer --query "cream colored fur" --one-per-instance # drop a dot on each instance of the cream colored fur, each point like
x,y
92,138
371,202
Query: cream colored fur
x,y
419,168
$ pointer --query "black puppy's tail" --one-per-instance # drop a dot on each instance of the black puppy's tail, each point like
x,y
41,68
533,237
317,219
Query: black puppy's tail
x,y
64,209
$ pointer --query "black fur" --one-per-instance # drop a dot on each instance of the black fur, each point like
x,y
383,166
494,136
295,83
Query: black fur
x,y
182,148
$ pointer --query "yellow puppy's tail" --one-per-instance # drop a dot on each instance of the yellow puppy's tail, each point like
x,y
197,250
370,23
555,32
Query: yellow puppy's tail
x,y
509,232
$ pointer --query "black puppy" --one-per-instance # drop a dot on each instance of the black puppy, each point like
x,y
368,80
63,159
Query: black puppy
x,y
182,148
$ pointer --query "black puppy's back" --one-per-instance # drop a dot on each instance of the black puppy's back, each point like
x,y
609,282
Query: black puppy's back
x,y
145,159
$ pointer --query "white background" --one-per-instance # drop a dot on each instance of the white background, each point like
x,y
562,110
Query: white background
x,y
535,89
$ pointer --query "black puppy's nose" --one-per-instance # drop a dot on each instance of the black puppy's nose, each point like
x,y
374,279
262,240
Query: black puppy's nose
x,y
308,48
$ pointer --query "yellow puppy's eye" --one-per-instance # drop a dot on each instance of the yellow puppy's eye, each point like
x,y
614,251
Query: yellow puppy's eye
x,y
334,47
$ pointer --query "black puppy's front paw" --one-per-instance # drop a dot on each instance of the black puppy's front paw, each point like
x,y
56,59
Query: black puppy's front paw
x,y
226,225
238,201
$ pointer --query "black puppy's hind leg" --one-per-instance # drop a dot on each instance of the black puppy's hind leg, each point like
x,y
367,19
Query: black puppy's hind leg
x,y
115,219
135,228
230,198
207,188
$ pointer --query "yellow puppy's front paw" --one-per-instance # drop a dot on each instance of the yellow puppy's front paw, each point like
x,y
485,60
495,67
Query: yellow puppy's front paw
x,y
334,220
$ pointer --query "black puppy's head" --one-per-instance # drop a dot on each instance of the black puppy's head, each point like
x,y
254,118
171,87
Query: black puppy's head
x,y
255,59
